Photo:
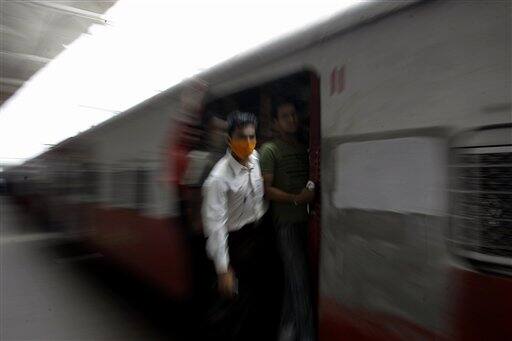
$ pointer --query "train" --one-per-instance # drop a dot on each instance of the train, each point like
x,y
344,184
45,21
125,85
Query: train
x,y
408,113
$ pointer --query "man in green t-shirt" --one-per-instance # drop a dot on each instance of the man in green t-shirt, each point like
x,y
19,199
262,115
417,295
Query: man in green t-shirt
x,y
285,169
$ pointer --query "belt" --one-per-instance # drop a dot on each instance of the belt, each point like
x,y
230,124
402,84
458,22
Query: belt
x,y
247,228
255,223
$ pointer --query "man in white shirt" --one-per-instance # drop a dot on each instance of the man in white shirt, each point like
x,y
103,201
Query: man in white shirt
x,y
232,208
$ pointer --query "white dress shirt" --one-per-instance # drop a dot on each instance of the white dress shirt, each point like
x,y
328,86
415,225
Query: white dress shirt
x,y
232,198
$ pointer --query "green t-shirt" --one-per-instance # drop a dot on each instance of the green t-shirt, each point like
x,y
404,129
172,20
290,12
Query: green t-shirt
x,y
290,166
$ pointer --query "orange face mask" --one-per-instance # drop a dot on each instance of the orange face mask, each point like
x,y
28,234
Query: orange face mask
x,y
242,148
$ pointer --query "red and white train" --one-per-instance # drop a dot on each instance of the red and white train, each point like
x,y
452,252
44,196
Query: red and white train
x,y
408,108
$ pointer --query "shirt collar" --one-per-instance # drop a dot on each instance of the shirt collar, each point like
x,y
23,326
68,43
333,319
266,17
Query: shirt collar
x,y
236,167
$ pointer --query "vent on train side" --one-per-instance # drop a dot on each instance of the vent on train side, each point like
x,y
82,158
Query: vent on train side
x,y
481,196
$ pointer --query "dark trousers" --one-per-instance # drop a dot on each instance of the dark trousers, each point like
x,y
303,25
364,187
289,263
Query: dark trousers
x,y
297,315
253,313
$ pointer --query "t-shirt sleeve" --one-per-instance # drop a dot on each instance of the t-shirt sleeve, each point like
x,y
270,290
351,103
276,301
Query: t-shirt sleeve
x,y
267,158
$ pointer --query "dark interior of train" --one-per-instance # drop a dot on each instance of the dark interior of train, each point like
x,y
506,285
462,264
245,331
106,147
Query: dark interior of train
x,y
259,99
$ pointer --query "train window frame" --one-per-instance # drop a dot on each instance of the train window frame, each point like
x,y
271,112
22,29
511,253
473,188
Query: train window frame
x,y
468,230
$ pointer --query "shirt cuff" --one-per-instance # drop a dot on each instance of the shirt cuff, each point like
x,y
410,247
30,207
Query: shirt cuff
x,y
221,264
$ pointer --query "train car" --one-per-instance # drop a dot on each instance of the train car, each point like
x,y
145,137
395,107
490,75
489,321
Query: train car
x,y
407,108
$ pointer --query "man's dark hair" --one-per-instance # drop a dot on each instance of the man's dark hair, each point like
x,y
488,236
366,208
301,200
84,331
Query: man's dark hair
x,y
239,119
279,102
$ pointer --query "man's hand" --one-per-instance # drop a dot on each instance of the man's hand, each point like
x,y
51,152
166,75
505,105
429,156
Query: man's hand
x,y
227,283
305,197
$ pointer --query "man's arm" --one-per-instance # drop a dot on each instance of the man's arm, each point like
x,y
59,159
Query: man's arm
x,y
214,212
277,195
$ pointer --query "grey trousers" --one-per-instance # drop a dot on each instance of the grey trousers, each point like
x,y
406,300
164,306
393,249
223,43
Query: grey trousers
x,y
297,314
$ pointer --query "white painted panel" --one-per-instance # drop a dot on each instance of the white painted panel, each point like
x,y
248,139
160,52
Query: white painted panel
x,y
400,175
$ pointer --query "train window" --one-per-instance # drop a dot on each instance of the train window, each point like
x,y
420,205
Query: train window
x,y
90,182
92,179
141,188
122,190
481,197
401,174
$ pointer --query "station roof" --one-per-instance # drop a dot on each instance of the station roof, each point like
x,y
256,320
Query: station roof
x,y
34,32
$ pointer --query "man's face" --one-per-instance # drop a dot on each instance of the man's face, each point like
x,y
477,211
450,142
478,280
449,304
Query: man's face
x,y
243,141
247,133
287,120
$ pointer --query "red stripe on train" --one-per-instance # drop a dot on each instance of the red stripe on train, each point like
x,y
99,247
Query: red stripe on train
x,y
153,248
342,323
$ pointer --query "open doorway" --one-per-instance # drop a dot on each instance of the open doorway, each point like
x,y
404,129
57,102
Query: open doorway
x,y
207,148
303,89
